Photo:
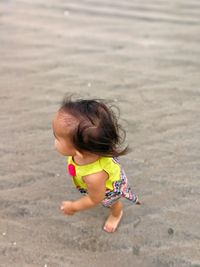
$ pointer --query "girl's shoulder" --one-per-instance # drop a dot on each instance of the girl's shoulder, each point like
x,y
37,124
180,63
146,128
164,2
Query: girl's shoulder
x,y
102,161
87,169
109,162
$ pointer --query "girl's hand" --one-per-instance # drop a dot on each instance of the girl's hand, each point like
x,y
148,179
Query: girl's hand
x,y
67,208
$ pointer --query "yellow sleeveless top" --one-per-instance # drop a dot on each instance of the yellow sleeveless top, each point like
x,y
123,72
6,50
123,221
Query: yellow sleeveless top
x,y
108,164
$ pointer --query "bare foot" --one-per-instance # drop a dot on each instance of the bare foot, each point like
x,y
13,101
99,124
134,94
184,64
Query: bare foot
x,y
112,223
138,202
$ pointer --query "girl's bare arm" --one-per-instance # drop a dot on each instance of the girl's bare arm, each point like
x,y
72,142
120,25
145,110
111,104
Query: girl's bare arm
x,y
96,187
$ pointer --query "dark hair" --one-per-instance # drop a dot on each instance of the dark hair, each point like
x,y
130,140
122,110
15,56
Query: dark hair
x,y
98,130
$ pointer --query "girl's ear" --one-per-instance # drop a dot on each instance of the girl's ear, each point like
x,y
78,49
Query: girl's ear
x,y
79,154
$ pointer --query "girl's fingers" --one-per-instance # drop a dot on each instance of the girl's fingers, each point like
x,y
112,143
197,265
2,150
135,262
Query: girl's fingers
x,y
62,206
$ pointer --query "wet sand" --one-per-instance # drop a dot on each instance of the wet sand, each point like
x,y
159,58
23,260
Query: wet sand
x,y
143,55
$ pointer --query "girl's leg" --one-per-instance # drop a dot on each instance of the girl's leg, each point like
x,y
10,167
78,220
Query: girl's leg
x,y
114,218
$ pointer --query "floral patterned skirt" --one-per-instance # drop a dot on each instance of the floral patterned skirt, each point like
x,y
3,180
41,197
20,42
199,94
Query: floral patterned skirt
x,y
121,188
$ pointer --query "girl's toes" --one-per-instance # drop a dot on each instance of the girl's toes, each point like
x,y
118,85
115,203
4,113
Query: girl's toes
x,y
107,229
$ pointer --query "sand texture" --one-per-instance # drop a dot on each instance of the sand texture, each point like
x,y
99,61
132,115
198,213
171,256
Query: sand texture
x,y
143,55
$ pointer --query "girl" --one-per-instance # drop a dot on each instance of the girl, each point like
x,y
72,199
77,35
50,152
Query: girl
x,y
88,133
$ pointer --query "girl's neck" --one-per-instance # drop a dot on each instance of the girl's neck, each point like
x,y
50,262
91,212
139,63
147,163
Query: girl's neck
x,y
85,158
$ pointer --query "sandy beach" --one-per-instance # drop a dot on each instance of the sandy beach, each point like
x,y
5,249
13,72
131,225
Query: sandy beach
x,y
145,57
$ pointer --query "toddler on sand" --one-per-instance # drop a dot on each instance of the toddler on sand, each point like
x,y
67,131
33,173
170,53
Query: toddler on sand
x,y
87,131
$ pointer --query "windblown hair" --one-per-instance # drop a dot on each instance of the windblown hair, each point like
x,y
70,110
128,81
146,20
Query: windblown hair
x,y
98,130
